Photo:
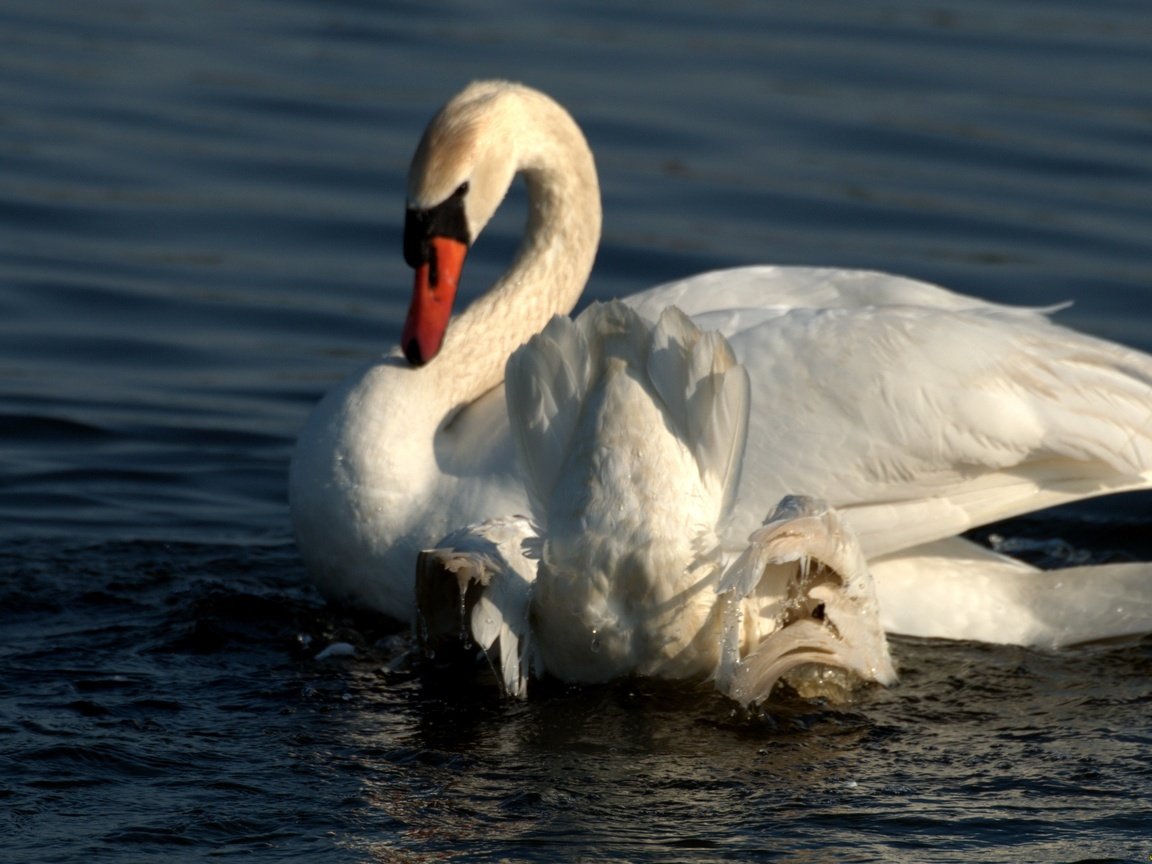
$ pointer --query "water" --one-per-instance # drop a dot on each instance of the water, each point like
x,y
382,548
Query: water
x,y
201,206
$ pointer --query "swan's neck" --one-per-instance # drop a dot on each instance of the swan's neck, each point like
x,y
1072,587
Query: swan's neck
x,y
549,272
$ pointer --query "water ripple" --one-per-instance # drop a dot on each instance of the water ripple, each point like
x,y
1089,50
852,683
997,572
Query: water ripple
x,y
202,210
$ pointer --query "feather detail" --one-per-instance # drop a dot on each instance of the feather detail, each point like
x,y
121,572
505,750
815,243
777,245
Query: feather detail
x,y
476,587
800,594
707,395
546,383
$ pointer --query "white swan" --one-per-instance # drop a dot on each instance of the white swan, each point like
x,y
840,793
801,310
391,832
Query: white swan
x,y
917,413
630,435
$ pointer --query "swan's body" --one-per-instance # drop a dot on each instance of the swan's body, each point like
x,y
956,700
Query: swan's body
x,y
630,436
916,412
397,456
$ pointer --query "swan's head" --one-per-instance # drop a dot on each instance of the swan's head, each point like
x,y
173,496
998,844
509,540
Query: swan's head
x,y
810,613
461,172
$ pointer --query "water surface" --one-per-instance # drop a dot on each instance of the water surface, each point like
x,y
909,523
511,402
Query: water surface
x,y
201,206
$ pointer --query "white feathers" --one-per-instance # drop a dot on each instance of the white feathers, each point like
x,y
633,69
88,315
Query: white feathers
x,y
799,594
920,422
960,587
705,396
546,383
693,378
475,588
631,437
915,412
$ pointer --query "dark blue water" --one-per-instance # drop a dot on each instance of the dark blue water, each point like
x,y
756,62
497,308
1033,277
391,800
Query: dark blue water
x,y
200,215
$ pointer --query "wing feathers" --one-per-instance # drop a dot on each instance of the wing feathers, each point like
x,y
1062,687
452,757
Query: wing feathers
x,y
704,391
476,587
921,422
707,397
546,384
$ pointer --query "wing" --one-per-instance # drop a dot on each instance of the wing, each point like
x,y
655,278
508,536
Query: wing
x,y
919,423
546,383
706,395
694,375
475,587
799,594
735,299
916,411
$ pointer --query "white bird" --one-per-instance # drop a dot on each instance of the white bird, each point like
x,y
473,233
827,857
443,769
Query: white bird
x,y
915,412
630,436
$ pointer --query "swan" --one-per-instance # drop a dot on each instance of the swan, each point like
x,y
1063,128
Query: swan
x,y
915,412
630,436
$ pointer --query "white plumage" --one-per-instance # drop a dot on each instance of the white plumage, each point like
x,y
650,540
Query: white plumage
x,y
914,412
630,435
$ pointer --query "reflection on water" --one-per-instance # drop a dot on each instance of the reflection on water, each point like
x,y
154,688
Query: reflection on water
x,y
201,212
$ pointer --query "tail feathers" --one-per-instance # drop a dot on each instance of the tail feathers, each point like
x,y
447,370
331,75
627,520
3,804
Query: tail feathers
x,y
475,588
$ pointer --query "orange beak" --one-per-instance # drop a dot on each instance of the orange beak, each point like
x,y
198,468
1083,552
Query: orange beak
x,y
432,299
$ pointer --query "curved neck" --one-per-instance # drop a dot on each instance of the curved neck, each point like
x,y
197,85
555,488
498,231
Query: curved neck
x,y
551,267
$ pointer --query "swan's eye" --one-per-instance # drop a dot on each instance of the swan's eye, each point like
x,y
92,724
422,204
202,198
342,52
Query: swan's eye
x,y
461,190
